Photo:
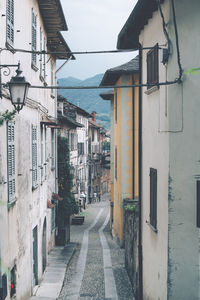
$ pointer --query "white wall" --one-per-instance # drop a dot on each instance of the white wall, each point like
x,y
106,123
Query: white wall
x,y
30,208
155,155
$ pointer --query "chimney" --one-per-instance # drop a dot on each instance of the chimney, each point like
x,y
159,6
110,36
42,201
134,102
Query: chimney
x,y
94,116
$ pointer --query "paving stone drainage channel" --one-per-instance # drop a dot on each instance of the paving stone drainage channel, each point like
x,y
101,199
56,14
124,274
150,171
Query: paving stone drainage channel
x,y
91,276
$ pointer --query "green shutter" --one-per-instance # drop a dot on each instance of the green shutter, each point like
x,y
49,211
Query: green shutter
x,y
34,156
10,22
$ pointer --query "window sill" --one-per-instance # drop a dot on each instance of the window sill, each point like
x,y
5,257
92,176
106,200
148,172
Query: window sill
x,y
152,89
33,66
35,187
10,47
152,227
11,203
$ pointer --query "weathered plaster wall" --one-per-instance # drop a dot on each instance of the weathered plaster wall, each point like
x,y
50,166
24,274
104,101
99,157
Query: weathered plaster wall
x,y
123,132
30,208
154,155
184,171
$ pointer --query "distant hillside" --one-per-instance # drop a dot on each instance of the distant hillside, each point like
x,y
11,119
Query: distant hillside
x,y
88,99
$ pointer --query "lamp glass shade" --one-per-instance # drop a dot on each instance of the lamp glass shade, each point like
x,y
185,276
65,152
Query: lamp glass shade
x,y
18,91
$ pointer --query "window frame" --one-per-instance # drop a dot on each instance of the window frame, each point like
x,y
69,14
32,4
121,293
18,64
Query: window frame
x,y
34,38
153,198
11,162
153,66
10,22
34,158
52,148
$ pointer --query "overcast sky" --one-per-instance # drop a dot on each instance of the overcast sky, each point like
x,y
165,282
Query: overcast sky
x,y
94,25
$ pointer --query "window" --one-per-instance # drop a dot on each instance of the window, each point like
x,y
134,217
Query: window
x,y
34,156
153,197
198,203
42,152
34,38
115,106
152,66
44,60
52,149
40,53
92,134
45,151
10,22
115,162
80,148
52,77
11,160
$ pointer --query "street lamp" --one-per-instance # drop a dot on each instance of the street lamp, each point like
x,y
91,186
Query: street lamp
x,y
18,88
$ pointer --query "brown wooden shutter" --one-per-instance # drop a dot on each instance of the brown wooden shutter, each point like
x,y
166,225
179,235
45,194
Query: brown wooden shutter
x,y
153,197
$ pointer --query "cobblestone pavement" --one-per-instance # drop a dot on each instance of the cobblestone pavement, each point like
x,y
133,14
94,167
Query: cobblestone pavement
x,y
101,274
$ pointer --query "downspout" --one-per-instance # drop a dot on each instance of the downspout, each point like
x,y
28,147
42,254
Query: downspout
x,y
133,142
140,258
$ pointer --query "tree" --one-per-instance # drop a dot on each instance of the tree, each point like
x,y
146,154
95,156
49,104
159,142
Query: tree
x,y
68,205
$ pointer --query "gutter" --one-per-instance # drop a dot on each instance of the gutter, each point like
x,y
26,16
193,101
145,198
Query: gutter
x,y
140,258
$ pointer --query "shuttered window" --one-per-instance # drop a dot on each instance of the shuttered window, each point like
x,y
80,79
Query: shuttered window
x,y
34,37
153,197
42,152
34,156
52,77
40,51
10,21
11,160
198,203
44,60
52,149
152,66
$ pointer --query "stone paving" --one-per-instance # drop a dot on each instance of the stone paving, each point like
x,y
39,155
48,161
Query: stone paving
x,y
92,284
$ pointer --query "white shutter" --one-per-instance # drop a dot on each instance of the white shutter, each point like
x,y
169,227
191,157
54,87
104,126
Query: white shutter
x,y
11,160
34,156
10,22
42,153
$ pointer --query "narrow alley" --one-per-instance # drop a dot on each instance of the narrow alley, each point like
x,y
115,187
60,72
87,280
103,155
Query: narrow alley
x,y
97,268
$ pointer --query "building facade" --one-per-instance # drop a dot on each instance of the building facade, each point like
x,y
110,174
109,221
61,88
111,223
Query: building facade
x,y
28,168
170,145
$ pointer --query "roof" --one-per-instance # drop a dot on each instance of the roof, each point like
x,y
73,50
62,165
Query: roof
x,y
77,108
67,120
58,44
94,124
109,95
112,75
128,37
54,22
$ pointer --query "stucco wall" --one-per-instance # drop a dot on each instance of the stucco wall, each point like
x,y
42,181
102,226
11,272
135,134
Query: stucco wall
x,y
155,155
30,208
123,135
184,155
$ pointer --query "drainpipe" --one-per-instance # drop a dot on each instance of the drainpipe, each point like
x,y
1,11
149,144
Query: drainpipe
x,y
140,182
133,142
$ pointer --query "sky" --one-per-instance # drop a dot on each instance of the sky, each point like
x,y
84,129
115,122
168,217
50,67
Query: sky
x,y
94,25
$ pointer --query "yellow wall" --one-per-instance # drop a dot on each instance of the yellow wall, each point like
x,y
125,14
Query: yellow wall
x,y
123,131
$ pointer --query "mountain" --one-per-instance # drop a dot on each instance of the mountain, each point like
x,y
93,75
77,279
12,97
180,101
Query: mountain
x,y
87,99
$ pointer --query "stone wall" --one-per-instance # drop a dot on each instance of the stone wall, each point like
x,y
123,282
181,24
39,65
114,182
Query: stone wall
x,y
131,227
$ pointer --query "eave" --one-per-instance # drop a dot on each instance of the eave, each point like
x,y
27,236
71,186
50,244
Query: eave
x,y
128,37
107,95
54,22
